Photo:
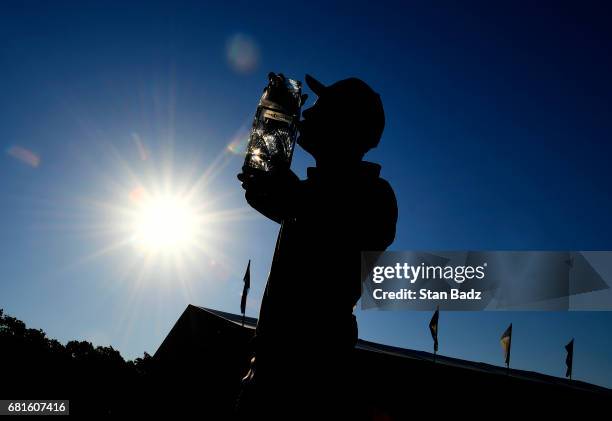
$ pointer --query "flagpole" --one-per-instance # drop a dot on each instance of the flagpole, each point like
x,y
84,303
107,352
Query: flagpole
x,y
508,363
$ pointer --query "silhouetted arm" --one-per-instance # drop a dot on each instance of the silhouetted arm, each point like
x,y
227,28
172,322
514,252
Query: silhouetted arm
x,y
274,195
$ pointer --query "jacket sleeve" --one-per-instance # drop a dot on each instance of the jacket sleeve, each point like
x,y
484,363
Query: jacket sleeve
x,y
388,214
274,195
379,218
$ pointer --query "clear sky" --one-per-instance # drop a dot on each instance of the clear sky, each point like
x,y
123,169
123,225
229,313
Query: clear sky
x,y
498,137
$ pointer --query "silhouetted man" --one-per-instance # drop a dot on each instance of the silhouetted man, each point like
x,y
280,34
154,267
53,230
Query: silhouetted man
x,y
306,331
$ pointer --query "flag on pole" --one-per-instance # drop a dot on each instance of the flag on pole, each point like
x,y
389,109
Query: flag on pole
x,y
506,343
569,360
245,290
433,328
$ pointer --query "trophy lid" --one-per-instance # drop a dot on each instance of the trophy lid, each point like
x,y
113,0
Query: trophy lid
x,y
283,94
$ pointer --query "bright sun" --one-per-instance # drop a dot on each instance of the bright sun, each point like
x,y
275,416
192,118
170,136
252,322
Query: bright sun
x,y
165,224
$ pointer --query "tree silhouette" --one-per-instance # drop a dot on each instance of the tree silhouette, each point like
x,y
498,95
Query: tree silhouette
x,y
96,379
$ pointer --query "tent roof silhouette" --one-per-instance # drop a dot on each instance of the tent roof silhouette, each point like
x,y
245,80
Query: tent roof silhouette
x,y
215,344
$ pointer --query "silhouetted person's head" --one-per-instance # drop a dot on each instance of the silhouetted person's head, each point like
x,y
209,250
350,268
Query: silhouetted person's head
x,y
345,122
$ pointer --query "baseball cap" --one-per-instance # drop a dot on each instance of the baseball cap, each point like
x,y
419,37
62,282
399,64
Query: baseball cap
x,y
355,102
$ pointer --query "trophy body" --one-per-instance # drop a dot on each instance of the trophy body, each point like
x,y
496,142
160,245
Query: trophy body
x,y
274,130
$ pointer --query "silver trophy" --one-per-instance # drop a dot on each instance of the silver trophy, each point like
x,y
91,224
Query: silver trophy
x,y
274,130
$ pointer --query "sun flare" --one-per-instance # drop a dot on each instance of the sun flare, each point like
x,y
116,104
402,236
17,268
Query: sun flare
x,y
165,224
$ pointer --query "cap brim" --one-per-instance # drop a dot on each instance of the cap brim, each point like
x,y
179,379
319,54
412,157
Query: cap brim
x,y
315,86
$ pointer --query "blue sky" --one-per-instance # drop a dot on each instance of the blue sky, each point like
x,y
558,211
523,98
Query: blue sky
x,y
497,137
